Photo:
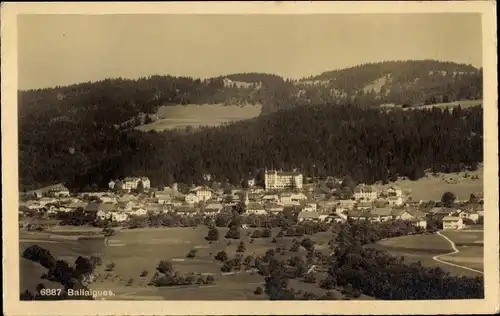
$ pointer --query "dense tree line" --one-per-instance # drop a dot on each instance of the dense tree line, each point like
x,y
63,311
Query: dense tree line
x,y
70,277
378,274
73,134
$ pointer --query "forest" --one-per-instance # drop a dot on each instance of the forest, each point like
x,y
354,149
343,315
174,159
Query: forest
x,y
75,134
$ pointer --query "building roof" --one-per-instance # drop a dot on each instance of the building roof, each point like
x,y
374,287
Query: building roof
x,y
359,214
309,215
441,210
451,218
214,206
254,206
364,188
381,211
283,173
77,205
364,204
416,213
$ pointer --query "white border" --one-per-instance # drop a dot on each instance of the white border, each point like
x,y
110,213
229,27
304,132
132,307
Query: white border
x,y
10,167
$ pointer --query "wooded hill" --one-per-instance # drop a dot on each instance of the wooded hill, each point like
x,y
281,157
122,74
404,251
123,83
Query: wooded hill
x,y
74,134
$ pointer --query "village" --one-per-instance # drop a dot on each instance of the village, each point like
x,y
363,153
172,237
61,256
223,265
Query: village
x,y
134,197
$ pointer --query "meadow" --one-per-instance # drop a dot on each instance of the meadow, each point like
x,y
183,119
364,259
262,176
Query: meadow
x,y
136,250
432,187
463,104
181,116
424,247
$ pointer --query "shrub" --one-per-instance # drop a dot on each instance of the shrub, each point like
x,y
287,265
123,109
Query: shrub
x,y
258,291
221,256
241,247
213,234
110,267
165,267
191,253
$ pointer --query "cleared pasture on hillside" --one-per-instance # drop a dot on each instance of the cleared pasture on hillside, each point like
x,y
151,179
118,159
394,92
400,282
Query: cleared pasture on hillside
x,y
463,104
181,116
432,187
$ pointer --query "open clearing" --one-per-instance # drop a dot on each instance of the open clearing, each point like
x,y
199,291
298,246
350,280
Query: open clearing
x,y
463,104
181,116
432,187
424,247
136,250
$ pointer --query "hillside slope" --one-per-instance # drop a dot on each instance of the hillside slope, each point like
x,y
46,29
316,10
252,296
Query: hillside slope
x,y
73,133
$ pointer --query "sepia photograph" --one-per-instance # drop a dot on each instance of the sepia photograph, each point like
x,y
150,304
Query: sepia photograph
x,y
198,154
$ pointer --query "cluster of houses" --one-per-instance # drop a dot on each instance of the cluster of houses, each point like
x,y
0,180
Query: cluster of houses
x,y
283,191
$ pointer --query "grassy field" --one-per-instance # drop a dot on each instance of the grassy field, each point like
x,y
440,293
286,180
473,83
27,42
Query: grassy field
x,y
181,116
432,187
465,238
424,247
136,250
463,104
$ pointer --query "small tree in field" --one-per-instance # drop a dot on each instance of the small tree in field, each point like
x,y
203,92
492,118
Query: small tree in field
x,y
221,256
213,234
241,247
191,253
165,267
448,199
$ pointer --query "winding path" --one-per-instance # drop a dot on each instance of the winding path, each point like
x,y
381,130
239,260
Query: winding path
x,y
455,250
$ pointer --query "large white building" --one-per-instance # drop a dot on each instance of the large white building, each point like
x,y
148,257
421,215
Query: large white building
x,y
131,183
277,180
365,192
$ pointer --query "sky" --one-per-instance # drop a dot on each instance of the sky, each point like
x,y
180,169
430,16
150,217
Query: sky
x,y
66,49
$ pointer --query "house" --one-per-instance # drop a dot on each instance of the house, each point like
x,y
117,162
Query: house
x,y
168,194
103,215
334,218
138,211
394,191
46,200
76,205
358,215
365,192
186,210
346,204
452,223
119,217
402,214
364,205
213,208
441,211
395,201
275,180
202,193
310,207
286,198
191,198
255,208
111,184
270,198
132,183
381,214
419,222
108,199
96,207
308,216
473,216
298,197
251,182
274,208
57,190
155,208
